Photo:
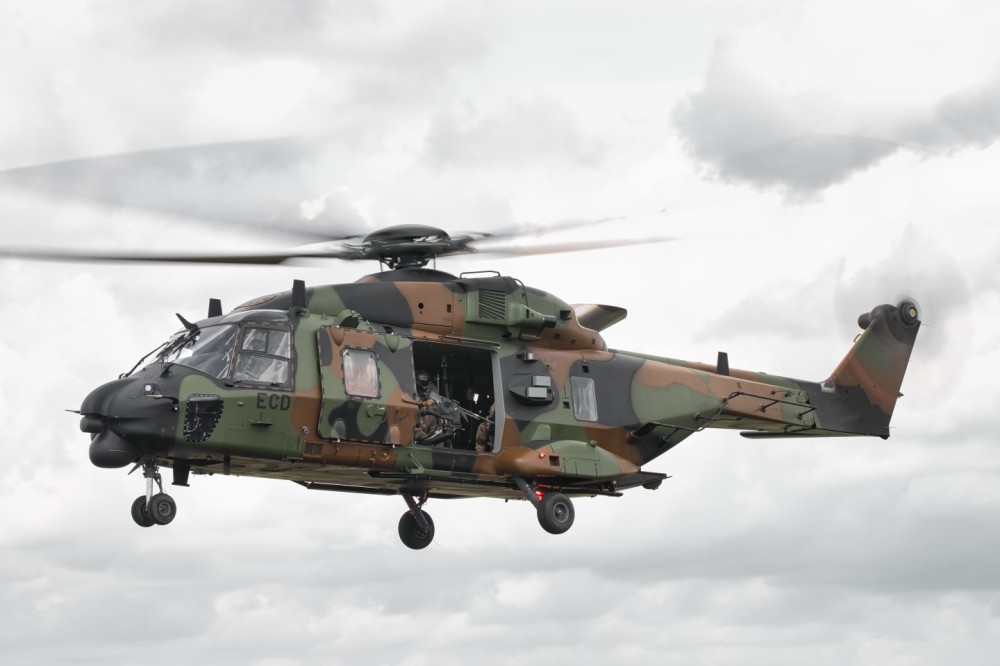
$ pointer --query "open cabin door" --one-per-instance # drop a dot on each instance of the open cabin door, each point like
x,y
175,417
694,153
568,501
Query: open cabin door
x,y
467,377
367,386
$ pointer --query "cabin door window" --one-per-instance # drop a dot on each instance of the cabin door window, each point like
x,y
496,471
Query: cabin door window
x,y
366,379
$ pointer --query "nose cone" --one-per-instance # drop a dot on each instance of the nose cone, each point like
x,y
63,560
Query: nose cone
x,y
125,422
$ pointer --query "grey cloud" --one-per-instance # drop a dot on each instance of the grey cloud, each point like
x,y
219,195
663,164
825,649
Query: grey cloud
x,y
380,54
414,62
261,27
133,74
804,165
521,133
743,129
969,118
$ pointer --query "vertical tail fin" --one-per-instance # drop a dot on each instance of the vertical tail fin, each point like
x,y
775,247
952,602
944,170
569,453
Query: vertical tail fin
x,y
866,383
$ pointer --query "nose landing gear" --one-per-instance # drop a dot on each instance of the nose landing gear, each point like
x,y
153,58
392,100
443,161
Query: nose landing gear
x,y
152,508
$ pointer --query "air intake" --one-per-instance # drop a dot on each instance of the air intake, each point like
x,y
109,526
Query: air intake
x,y
492,304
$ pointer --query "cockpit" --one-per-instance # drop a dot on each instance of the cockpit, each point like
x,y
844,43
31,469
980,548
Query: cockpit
x,y
255,353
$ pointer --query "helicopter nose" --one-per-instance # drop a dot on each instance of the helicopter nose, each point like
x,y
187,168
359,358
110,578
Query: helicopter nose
x,y
124,422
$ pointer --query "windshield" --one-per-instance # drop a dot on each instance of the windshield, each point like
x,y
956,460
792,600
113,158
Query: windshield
x,y
209,350
251,353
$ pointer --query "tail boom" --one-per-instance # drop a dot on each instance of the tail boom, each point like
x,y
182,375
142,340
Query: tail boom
x,y
858,398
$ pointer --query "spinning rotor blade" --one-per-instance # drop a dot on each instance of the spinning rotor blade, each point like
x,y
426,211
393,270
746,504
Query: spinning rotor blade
x,y
264,185
505,243
264,258
257,184
402,246
538,229
568,246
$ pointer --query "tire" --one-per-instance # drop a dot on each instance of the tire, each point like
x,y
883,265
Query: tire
x,y
139,515
556,513
412,535
162,509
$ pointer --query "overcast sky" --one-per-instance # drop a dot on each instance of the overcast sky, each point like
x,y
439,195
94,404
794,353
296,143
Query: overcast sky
x,y
815,159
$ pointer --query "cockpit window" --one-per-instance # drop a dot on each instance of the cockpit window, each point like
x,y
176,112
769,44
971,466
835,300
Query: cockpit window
x,y
210,350
273,341
264,356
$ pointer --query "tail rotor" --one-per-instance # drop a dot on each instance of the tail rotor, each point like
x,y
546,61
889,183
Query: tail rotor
x,y
930,286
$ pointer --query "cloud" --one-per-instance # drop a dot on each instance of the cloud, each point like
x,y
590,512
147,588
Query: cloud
x,y
807,101
124,76
268,25
827,552
969,118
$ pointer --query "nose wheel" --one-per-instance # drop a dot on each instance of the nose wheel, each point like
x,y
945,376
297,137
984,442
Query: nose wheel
x,y
153,508
139,513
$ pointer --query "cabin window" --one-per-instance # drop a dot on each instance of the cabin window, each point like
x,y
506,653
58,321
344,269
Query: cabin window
x,y
584,398
360,373
264,356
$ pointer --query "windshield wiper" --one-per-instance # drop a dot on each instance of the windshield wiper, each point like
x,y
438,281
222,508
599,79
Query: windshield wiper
x,y
177,341
139,362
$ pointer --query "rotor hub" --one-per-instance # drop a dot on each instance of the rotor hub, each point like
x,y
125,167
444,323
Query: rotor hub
x,y
408,245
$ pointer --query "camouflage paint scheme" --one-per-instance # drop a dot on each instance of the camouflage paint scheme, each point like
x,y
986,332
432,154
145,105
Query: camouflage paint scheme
x,y
312,431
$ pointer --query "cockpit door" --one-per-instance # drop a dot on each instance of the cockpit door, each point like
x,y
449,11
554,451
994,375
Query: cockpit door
x,y
367,386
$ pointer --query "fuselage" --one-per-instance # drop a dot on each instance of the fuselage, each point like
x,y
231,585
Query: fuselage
x,y
322,388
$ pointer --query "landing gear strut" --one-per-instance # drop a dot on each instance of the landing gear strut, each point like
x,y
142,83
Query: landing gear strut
x,y
555,510
416,529
153,508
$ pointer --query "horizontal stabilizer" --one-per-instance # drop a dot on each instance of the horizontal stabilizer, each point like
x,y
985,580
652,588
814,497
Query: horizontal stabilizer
x,y
814,432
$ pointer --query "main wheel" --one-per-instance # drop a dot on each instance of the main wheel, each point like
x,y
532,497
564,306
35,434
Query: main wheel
x,y
162,508
139,515
555,513
412,534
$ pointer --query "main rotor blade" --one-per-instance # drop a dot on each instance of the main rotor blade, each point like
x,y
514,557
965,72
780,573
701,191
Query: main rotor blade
x,y
260,184
318,251
526,229
558,248
263,258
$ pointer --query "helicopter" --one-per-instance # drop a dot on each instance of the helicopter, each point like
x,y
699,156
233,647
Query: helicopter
x,y
417,383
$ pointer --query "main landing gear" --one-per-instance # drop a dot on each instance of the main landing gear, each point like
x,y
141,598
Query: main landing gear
x,y
555,510
152,508
416,529
555,515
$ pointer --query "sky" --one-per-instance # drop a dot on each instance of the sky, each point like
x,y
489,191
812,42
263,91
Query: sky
x,y
811,159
